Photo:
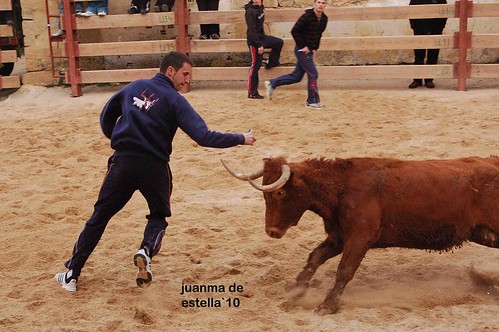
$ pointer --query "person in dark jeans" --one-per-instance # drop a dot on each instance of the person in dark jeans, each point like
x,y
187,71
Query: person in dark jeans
x,y
141,121
209,30
427,26
307,33
258,41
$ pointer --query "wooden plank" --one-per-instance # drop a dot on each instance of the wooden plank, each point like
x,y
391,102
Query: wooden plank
x,y
386,42
220,16
237,16
10,82
241,73
330,72
127,48
230,45
6,31
387,72
5,5
389,13
485,41
485,70
485,9
335,43
118,75
8,56
334,14
271,15
221,45
125,21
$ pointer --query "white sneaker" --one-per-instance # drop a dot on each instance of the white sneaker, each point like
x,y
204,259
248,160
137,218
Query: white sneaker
x,y
317,106
143,262
58,33
62,278
87,14
102,13
270,90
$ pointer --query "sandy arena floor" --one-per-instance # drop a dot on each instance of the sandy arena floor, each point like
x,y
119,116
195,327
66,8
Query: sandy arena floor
x,y
54,158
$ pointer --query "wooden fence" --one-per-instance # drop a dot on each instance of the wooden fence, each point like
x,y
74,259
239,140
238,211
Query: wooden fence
x,y
7,56
462,40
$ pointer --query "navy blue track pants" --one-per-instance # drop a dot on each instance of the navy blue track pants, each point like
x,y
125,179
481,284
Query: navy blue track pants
x,y
124,176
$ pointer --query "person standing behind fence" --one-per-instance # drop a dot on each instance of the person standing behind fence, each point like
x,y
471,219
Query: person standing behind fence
x,y
258,41
427,26
78,10
143,6
307,33
209,30
141,121
96,8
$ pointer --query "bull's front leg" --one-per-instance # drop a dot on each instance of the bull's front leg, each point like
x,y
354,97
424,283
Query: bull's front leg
x,y
317,257
353,254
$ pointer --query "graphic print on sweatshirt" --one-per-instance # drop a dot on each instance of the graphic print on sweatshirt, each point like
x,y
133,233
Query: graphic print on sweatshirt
x,y
146,103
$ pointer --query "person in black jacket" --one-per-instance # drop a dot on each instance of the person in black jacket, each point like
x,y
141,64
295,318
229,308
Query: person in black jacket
x,y
307,33
141,121
258,41
427,26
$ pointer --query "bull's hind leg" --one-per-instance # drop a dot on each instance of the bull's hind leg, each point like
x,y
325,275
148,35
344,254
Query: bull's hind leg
x,y
485,236
317,257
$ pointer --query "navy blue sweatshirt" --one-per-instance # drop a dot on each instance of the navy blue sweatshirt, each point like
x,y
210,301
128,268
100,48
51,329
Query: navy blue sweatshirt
x,y
142,119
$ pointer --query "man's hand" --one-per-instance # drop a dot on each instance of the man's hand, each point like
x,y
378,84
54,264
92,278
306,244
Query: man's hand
x,y
249,139
304,50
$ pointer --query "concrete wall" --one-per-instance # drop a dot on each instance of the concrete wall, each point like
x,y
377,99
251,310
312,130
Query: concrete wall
x,y
37,52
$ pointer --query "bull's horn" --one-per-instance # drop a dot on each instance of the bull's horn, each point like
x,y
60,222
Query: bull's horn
x,y
241,176
286,173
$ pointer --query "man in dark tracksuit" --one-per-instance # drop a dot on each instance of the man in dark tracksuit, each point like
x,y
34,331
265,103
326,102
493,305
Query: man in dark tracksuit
x,y
307,33
258,41
141,121
427,26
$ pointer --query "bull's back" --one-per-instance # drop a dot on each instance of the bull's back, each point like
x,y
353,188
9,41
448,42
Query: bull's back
x,y
435,204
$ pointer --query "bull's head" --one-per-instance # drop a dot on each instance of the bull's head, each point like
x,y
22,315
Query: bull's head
x,y
286,196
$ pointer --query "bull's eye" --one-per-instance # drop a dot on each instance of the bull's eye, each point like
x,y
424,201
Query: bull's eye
x,y
280,193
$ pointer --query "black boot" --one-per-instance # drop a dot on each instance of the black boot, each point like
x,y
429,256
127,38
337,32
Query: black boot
x,y
416,83
161,6
429,83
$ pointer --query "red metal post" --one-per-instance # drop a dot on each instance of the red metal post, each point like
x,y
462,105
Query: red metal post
x,y
183,42
182,20
73,75
462,40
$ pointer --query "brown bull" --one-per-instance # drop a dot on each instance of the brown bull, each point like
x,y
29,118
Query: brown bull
x,y
378,203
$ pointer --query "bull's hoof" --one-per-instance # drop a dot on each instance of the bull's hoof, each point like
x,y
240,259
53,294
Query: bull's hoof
x,y
298,291
324,310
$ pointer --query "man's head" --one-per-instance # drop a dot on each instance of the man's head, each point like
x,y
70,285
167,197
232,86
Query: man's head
x,y
177,67
319,6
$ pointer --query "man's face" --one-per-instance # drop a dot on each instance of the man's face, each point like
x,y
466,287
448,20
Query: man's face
x,y
257,2
320,5
180,77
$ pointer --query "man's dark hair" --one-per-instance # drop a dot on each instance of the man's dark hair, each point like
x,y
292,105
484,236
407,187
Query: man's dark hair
x,y
174,59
